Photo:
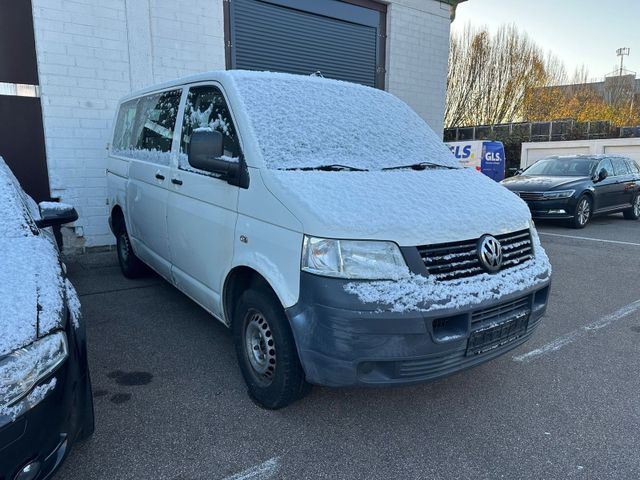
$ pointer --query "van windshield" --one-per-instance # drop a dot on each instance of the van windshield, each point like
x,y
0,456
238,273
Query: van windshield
x,y
309,122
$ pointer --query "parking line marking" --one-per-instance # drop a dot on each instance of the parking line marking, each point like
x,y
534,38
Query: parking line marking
x,y
571,337
576,237
263,471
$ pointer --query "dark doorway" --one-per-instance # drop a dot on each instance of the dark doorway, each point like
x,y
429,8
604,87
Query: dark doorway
x,y
22,138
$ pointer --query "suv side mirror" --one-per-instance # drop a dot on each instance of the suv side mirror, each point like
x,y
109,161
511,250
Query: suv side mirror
x,y
602,175
53,214
519,171
205,153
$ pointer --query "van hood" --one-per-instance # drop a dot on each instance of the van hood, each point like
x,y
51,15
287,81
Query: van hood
x,y
406,206
31,291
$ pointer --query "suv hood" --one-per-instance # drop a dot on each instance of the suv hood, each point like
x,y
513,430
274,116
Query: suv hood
x,y
526,183
406,206
31,291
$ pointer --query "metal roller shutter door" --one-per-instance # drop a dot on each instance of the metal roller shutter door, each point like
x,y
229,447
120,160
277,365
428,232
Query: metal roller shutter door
x,y
340,40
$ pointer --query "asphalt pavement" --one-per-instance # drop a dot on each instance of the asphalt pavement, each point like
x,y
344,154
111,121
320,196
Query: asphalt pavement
x,y
171,404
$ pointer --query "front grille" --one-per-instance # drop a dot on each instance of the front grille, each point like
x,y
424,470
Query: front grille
x,y
529,196
502,311
450,261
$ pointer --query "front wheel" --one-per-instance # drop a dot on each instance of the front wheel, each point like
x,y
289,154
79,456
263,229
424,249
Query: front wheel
x,y
633,213
583,213
266,351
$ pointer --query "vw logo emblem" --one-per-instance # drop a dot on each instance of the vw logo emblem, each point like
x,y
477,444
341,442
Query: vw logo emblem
x,y
490,253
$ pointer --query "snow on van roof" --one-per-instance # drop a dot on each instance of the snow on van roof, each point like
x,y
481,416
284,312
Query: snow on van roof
x,y
307,121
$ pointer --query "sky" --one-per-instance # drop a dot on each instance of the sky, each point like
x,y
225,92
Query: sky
x,y
578,32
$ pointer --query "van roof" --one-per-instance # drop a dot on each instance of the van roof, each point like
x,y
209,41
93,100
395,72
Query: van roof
x,y
220,75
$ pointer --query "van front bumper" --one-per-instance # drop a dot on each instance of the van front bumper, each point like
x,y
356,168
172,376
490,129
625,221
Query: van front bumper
x,y
344,342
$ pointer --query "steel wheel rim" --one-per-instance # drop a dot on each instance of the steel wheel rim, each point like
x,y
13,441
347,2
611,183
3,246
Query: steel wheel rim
x,y
260,347
636,207
583,211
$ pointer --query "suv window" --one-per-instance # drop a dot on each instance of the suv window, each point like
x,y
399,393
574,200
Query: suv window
x,y
633,166
606,165
145,126
620,166
206,109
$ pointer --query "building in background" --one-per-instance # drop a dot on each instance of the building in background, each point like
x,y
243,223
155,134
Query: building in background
x,y
89,53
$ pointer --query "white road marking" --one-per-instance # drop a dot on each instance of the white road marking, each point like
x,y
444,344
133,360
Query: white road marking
x,y
259,472
571,337
576,237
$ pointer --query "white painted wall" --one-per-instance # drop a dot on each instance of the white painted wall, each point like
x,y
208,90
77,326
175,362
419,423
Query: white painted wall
x,y
534,151
92,52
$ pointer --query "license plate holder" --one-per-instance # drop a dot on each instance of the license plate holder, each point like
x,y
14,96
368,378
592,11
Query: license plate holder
x,y
497,333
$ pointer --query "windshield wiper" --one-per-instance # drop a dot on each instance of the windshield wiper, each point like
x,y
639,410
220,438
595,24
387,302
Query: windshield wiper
x,y
330,168
421,166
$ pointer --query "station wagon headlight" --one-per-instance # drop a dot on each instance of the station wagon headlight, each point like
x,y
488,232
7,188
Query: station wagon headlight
x,y
353,259
22,369
559,194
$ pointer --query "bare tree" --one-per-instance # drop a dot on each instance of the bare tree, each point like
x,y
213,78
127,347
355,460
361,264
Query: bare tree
x,y
490,75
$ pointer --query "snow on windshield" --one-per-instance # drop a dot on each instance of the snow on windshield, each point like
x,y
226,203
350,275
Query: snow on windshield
x,y
304,121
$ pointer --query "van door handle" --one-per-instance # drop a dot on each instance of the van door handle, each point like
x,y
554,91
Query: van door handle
x,y
159,176
176,181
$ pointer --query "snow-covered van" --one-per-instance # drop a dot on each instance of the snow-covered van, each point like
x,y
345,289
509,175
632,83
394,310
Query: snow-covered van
x,y
327,225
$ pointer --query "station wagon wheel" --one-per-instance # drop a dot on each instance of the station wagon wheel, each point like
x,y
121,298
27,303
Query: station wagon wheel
x,y
582,213
266,350
634,212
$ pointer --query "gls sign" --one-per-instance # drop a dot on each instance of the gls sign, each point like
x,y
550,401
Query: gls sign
x,y
461,152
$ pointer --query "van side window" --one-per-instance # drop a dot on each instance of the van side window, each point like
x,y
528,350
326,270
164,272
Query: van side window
x,y
206,109
146,131
620,166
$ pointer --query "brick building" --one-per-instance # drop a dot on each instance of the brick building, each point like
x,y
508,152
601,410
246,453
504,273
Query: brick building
x,y
58,94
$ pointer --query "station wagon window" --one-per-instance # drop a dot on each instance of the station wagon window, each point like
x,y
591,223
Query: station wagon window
x,y
206,110
620,166
145,127
633,166
606,165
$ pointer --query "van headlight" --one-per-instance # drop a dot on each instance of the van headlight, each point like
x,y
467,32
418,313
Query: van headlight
x,y
353,259
22,369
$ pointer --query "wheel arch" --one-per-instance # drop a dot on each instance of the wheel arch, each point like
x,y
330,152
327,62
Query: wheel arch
x,y
116,220
240,279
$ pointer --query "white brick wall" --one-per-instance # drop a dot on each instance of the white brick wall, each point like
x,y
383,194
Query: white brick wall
x,y
417,56
92,52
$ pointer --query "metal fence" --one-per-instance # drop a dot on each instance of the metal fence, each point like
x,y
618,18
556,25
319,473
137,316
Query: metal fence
x,y
541,131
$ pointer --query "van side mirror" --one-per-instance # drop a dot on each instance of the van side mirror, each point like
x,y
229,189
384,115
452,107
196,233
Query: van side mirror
x,y
206,149
205,153
53,214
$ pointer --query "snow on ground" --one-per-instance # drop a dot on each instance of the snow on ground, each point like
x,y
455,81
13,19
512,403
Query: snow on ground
x,y
302,121
420,293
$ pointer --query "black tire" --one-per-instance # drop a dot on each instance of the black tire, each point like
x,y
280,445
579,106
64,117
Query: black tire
x,y
88,418
582,215
130,265
633,213
273,374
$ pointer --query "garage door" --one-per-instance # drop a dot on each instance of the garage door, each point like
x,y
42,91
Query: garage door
x,y
342,40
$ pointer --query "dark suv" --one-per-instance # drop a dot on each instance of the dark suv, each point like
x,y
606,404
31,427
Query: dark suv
x,y
575,188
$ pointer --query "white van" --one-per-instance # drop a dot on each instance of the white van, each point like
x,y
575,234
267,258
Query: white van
x,y
327,225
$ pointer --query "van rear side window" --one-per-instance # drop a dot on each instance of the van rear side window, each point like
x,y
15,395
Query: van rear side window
x,y
145,127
